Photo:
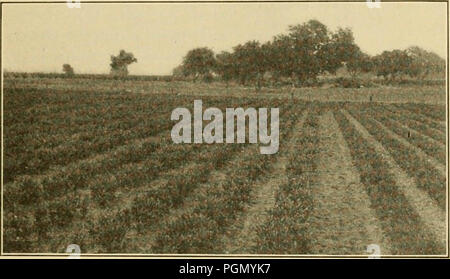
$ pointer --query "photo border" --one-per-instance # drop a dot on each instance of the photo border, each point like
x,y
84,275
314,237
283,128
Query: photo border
x,y
211,256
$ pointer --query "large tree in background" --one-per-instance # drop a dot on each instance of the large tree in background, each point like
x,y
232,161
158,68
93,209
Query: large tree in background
x,y
392,64
281,57
359,62
225,66
309,41
310,49
119,64
199,62
250,62
424,63
340,49
305,52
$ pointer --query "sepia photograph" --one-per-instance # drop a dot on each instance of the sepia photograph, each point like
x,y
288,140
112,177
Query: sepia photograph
x,y
224,129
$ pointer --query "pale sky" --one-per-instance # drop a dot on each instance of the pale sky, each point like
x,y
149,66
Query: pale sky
x,y
42,37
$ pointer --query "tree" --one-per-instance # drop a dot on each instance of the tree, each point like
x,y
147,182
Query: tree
x,y
119,64
199,62
177,72
340,49
309,45
391,64
225,66
281,57
424,63
250,62
306,51
68,70
359,62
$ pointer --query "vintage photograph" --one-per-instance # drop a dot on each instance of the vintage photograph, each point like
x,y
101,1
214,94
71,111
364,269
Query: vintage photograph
x,y
310,129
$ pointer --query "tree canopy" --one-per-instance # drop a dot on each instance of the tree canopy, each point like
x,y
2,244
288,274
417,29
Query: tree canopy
x,y
424,63
199,63
306,51
68,70
119,64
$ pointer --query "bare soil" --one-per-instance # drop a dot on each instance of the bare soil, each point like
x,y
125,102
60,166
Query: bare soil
x,y
342,221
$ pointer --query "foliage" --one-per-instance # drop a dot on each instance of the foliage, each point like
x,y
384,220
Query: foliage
x,y
225,66
249,62
392,64
119,64
424,63
68,70
308,50
359,62
198,63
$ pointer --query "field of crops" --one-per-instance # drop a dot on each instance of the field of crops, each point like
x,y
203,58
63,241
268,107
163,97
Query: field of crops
x,y
99,169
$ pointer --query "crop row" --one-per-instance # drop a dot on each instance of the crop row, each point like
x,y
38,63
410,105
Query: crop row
x,y
436,112
157,156
49,131
285,231
198,229
24,157
426,177
156,202
399,220
419,117
144,163
412,121
112,195
92,106
40,160
428,146
109,231
99,115
145,168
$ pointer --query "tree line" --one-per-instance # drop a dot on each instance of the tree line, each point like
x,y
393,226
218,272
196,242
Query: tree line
x,y
305,52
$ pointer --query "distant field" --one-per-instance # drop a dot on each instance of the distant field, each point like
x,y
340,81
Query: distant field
x,y
92,163
428,94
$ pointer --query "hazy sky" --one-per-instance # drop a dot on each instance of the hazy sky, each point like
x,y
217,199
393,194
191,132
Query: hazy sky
x,y
42,37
